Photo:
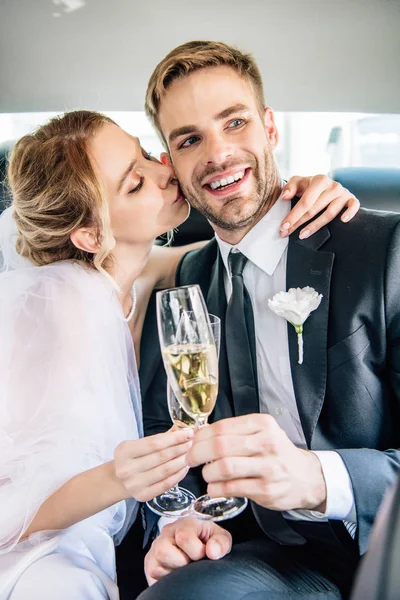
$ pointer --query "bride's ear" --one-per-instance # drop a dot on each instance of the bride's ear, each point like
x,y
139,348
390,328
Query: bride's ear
x,y
85,239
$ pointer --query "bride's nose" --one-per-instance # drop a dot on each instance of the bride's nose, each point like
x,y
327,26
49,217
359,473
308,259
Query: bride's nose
x,y
167,174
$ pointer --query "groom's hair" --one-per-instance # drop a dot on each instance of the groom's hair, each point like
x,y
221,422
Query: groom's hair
x,y
193,56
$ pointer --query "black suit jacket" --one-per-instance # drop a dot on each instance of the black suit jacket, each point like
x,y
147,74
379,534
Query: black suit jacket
x,y
348,388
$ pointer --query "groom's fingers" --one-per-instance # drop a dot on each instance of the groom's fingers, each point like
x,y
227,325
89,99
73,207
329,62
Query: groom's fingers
x,y
184,541
226,446
237,467
168,556
188,540
163,558
198,539
219,544
248,435
244,425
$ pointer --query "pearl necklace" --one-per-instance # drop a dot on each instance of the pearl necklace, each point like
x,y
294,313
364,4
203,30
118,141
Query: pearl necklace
x,y
134,301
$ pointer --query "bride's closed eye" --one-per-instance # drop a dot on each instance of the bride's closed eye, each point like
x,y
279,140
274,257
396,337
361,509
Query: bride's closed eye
x,y
147,156
138,186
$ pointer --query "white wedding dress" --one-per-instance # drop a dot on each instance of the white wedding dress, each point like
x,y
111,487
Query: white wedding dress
x,y
69,393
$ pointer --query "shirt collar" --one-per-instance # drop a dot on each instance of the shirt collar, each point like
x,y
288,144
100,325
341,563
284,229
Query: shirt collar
x,y
262,245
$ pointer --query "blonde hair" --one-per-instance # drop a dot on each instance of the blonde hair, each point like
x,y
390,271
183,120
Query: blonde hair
x,y
55,191
193,56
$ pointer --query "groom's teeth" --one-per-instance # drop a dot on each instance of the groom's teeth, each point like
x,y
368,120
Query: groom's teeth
x,y
227,180
215,184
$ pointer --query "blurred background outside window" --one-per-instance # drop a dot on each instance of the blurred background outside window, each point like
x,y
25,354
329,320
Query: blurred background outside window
x,y
309,142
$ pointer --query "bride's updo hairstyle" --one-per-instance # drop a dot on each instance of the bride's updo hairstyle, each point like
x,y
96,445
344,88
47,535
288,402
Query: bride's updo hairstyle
x,y
55,191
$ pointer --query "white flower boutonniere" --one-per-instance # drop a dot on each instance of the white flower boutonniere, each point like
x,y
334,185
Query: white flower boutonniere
x,y
295,306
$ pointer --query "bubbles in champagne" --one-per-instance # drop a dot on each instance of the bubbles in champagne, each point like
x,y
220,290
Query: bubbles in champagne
x,y
194,370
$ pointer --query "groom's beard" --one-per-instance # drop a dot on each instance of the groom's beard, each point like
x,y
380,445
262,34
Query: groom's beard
x,y
242,210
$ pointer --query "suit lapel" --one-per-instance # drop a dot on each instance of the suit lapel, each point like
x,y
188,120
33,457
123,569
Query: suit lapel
x,y
307,267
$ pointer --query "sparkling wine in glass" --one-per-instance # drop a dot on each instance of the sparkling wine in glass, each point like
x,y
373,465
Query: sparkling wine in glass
x,y
190,359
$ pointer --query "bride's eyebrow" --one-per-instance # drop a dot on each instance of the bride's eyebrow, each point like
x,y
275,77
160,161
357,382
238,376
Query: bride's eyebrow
x,y
125,175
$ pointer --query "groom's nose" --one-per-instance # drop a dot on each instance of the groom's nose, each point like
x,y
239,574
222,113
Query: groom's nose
x,y
216,149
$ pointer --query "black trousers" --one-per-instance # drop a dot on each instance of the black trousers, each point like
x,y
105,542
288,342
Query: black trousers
x,y
261,569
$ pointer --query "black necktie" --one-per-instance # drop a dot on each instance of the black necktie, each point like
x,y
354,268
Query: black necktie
x,y
240,341
241,351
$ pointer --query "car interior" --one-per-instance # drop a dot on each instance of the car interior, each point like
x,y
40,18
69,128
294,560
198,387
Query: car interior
x,y
331,72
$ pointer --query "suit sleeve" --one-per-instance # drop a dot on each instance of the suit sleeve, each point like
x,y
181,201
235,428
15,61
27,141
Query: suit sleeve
x,y
372,471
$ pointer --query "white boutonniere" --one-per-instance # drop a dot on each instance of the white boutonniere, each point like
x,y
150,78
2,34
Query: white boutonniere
x,y
295,306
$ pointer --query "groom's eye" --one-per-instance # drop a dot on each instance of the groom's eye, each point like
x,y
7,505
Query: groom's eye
x,y
236,123
189,141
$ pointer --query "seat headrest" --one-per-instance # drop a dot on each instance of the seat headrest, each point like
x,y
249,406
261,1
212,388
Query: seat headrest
x,y
376,188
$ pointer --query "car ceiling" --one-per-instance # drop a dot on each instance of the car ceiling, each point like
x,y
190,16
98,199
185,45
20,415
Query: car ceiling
x,y
341,55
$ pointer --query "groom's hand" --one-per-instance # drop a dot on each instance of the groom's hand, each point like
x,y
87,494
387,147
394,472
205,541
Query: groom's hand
x,y
184,541
252,456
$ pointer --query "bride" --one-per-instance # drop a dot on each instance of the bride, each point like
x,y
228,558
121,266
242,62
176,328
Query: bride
x,y
78,268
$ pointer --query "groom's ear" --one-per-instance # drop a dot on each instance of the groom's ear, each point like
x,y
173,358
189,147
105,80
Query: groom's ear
x,y
270,127
166,159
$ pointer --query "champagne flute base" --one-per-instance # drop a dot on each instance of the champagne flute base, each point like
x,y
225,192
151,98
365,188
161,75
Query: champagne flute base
x,y
217,509
171,503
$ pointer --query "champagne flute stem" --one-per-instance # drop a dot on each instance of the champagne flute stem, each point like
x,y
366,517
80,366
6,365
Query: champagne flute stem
x,y
174,491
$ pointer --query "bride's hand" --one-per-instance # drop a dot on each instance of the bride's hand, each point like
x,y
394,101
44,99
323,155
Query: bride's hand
x,y
317,193
149,466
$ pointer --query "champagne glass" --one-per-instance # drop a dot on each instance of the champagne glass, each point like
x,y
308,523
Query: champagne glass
x,y
190,359
175,500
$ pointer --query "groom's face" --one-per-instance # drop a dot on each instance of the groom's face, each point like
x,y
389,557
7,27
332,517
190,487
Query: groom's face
x,y
221,145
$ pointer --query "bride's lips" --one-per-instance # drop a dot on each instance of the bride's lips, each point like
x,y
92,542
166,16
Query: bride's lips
x,y
231,189
179,198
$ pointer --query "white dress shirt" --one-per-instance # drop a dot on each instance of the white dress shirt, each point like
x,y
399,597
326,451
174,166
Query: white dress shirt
x,y
264,275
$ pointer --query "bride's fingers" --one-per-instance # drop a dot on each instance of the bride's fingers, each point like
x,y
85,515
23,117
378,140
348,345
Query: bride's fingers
x,y
151,461
152,444
324,202
353,206
332,209
148,487
296,186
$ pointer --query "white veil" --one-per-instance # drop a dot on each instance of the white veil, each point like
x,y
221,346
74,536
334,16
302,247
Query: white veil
x,y
9,257
69,390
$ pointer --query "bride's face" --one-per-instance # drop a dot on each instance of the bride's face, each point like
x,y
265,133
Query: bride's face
x,y
144,198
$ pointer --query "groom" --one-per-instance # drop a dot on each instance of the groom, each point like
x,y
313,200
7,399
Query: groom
x,y
317,460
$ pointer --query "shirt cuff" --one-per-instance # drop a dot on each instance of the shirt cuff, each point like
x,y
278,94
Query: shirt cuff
x,y
162,521
340,503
